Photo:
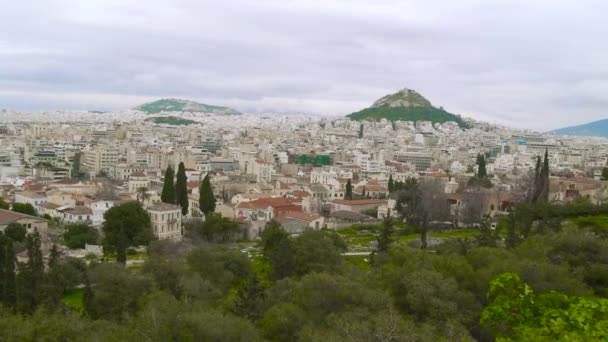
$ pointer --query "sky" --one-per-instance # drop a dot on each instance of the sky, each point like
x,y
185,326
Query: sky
x,y
539,64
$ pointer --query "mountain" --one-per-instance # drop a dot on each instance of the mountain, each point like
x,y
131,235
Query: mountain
x,y
406,105
176,105
171,120
592,129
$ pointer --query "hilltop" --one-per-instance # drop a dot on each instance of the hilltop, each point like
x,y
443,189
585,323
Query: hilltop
x,y
177,105
593,129
406,105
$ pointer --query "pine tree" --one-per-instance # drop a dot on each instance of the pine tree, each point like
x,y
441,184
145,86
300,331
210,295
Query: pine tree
x,y
168,194
361,131
181,188
536,188
206,198
391,184
348,194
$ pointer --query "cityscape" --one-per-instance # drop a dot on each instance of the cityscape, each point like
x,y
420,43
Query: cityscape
x,y
303,171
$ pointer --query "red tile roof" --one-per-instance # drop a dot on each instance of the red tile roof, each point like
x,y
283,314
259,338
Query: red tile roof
x,y
359,202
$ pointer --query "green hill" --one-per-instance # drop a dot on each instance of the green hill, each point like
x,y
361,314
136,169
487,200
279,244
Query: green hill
x,y
176,105
171,120
406,105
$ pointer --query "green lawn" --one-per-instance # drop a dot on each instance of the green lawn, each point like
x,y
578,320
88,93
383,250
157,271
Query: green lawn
x,y
358,261
74,299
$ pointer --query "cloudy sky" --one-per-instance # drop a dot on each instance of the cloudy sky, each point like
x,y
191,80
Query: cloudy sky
x,y
531,64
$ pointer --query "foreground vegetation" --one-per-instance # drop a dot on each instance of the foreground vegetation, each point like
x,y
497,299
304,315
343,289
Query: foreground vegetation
x,y
535,278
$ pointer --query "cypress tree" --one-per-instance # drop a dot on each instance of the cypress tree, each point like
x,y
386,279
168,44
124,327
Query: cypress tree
x,y
31,276
3,242
348,194
481,169
54,257
385,239
361,131
168,194
181,188
391,184
87,300
537,181
206,198
544,193
9,295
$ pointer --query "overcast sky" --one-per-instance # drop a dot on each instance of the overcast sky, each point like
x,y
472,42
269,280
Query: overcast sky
x,y
536,64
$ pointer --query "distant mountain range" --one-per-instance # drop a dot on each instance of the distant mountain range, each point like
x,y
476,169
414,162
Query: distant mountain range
x,y
592,129
177,105
406,105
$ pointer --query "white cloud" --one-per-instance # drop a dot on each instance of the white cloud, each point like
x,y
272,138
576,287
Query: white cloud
x,y
537,64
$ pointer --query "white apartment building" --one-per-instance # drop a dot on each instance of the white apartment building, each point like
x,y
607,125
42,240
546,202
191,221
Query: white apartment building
x,y
166,221
100,159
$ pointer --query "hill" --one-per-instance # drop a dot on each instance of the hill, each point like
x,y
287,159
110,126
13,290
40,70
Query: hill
x,y
406,105
592,129
177,105
171,120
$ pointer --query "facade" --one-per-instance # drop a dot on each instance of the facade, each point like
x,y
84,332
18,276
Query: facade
x,y
166,220
29,222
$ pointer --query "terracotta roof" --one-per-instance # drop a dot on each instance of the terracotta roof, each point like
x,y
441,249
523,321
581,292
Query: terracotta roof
x,y
7,216
370,187
265,203
299,193
193,185
31,194
297,215
49,205
359,202
80,210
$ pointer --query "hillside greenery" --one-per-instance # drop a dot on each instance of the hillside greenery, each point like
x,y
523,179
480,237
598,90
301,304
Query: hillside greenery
x,y
176,105
432,114
171,120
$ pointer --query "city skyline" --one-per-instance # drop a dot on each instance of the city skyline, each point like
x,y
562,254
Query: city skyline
x,y
536,66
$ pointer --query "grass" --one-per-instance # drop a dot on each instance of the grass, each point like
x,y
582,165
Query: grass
x,y
597,223
358,261
74,299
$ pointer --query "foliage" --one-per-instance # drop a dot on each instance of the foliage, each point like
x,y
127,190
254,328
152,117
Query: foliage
x,y
15,232
515,312
24,208
126,225
348,193
168,192
171,120
431,114
206,198
605,174
78,235
4,205
215,228
181,188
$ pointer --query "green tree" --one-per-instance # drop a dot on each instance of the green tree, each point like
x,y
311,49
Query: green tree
x,y
391,184
515,312
24,208
30,276
168,193
271,237
250,299
605,174
348,193
206,198
215,228
78,235
385,238
9,285
130,217
15,232
361,130
181,189
481,166
4,205
76,173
